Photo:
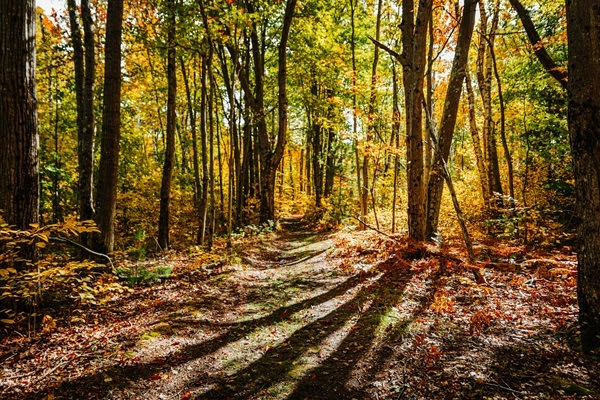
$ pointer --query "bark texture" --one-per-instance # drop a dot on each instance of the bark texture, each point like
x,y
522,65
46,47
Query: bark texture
x,y
583,28
19,138
451,103
414,40
111,130
167,176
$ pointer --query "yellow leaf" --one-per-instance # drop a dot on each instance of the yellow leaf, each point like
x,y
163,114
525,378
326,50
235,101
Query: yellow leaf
x,y
41,245
7,321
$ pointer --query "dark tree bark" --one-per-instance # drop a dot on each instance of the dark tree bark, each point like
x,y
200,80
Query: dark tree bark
x,y
167,176
19,139
316,139
396,144
106,199
330,162
85,72
448,123
583,28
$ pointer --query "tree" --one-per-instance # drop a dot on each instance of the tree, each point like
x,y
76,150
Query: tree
x,y
558,73
19,164
414,38
270,153
583,28
455,83
111,130
167,177
85,72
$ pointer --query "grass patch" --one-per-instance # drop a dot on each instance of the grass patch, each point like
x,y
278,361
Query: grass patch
x,y
144,276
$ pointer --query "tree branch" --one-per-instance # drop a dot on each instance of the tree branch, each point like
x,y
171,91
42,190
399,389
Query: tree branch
x,y
557,72
401,59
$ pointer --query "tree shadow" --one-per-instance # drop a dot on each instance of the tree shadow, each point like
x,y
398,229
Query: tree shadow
x,y
102,381
278,362
334,377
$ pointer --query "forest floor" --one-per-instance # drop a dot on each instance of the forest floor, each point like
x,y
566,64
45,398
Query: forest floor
x,y
304,315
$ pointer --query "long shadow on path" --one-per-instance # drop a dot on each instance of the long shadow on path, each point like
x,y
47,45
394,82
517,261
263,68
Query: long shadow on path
x,y
276,364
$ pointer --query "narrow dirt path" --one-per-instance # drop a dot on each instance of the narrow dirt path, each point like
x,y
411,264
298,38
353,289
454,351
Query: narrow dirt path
x,y
304,315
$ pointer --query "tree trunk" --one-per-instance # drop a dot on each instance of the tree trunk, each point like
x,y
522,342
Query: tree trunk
x,y
484,78
414,40
371,117
167,176
583,27
481,167
84,99
451,103
396,135
192,116
86,141
203,199
354,116
106,200
19,163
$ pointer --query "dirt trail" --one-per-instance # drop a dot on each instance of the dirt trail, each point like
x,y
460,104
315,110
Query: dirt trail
x,y
292,320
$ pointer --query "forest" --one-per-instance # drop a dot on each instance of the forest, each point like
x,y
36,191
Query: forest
x,y
299,199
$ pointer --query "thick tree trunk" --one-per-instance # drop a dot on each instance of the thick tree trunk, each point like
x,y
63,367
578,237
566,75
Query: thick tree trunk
x,y
19,163
78,67
451,103
167,176
583,27
86,141
414,40
106,199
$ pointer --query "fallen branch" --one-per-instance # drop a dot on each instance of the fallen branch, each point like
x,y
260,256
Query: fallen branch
x,y
58,239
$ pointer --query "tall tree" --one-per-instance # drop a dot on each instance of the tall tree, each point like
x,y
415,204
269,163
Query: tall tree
x,y
448,123
19,138
106,200
414,39
371,117
167,177
583,29
85,72
271,150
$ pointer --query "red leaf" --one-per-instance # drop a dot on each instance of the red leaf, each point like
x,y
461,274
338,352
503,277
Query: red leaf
x,y
186,396
154,377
